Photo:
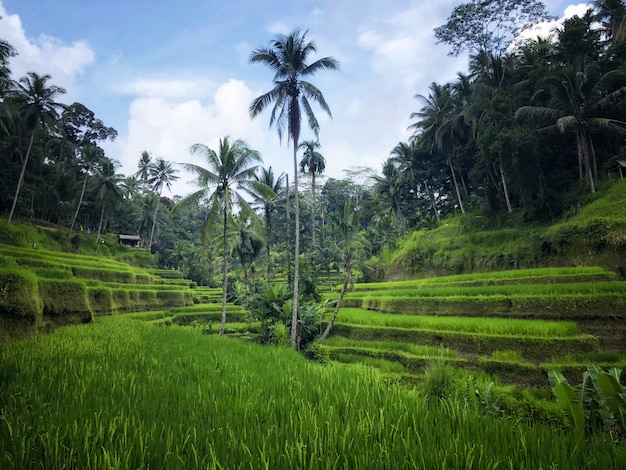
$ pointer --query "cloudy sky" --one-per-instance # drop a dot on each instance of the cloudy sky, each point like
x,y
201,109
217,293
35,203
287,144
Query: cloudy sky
x,y
169,74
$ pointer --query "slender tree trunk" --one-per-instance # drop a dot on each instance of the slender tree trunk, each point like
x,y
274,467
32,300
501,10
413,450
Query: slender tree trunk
x,y
433,203
100,226
80,203
225,273
296,259
156,210
289,276
313,211
19,182
456,186
584,154
344,288
268,236
579,148
505,189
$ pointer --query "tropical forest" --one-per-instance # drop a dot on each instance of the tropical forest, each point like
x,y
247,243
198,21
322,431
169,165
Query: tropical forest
x,y
462,306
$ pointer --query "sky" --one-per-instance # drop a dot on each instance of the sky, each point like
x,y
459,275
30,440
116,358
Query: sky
x,y
169,74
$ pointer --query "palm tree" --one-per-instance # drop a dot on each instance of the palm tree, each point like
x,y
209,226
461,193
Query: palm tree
x,y
265,191
162,173
287,56
406,156
389,185
143,172
248,243
106,187
313,163
228,169
439,122
347,223
580,101
39,108
89,157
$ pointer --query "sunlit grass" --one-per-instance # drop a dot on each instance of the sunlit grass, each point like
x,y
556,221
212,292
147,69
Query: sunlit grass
x,y
124,394
496,326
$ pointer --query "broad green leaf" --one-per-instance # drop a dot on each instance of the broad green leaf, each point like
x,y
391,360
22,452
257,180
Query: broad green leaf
x,y
567,400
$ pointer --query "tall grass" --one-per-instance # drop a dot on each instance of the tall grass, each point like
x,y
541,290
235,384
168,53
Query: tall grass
x,y
123,394
495,326
517,276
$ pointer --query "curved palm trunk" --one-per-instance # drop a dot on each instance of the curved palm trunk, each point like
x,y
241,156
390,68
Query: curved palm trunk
x,y
296,259
225,273
100,227
21,180
583,143
344,288
155,218
505,189
456,186
80,203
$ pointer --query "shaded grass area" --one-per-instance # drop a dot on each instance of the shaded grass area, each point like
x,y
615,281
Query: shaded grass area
x,y
533,349
124,394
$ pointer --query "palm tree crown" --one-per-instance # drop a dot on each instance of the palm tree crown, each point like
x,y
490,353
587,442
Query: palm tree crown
x,y
228,169
39,107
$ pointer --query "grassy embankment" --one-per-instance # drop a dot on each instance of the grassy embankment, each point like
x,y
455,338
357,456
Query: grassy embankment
x,y
593,234
124,394
42,287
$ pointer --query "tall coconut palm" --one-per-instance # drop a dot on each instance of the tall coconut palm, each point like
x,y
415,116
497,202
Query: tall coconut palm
x,y
438,122
162,173
389,186
265,192
313,163
347,224
406,155
39,108
89,156
143,169
107,186
580,102
291,96
229,168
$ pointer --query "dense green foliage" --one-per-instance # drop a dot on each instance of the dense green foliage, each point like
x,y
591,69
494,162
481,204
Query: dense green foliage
x,y
110,398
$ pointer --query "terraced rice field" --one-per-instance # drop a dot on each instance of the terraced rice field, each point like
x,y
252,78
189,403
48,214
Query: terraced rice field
x,y
514,324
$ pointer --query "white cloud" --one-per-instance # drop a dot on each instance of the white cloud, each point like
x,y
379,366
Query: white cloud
x,y
546,29
168,87
46,55
167,129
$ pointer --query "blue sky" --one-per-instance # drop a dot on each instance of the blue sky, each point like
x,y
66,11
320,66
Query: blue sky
x,y
169,74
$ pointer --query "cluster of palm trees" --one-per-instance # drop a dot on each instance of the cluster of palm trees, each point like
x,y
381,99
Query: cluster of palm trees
x,y
521,129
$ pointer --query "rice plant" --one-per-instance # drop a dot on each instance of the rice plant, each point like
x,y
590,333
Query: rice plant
x,y
124,394
495,326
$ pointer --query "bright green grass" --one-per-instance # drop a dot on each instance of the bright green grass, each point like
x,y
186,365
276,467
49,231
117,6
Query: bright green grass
x,y
495,326
122,394
520,290
393,346
517,276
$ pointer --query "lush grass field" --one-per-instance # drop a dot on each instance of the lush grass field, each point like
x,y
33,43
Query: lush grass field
x,y
517,277
497,326
123,394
